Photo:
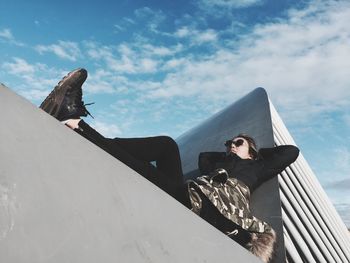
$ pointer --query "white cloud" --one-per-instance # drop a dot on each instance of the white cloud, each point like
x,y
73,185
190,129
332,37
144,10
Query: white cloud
x,y
220,7
96,51
108,130
153,50
121,59
161,51
124,24
148,65
306,56
64,49
196,36
136,58
7,36
119,28
145,12
342,161
103,81
19,67
129,20
342,185
34,94
229,3
123,64
36,80
175,63
183,32
206,36
151,18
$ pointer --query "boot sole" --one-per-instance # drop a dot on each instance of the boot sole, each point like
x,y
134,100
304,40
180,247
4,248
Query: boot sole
x,y
53,103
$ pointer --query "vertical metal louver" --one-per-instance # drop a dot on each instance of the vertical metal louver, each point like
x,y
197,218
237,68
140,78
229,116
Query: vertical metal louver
x,y
313,230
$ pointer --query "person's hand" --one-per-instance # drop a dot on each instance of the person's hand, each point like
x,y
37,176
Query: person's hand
x,y
73,123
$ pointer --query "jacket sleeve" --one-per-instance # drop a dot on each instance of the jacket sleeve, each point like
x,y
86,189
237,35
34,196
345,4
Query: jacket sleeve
x,y
207,161
276,159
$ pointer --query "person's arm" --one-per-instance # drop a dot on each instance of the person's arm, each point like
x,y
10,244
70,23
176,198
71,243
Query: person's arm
x,y
276,159
207,161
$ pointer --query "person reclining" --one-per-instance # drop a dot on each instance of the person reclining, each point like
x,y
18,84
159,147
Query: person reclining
x,y
222,195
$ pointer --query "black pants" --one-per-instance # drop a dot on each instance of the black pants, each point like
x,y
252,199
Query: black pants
x,y
212,215
138,153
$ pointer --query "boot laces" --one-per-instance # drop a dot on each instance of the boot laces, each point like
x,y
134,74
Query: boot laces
x,y
78,95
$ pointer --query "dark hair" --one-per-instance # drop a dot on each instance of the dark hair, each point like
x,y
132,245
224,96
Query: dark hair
x,y
253,152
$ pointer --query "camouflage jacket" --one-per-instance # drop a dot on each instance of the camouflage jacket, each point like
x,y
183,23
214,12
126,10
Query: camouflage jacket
x,y
229,195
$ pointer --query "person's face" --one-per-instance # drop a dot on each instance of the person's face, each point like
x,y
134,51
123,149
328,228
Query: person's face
x,y
238,146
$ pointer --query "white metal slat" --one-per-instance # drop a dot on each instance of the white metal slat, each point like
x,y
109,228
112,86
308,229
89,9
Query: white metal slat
x,y
305,218
327,224
319,229
301,243
290,247
304,234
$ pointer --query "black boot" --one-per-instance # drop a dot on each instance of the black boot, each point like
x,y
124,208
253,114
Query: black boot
x,y
65,100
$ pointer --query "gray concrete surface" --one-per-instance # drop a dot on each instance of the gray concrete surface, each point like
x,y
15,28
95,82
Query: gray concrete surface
x,y
250,115
62,199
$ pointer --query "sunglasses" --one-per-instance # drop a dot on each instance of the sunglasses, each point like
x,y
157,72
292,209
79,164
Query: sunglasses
x,y
237,143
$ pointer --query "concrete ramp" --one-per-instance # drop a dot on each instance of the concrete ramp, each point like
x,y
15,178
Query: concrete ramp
x,y
62,199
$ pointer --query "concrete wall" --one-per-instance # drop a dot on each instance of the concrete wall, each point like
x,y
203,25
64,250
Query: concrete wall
x,y
62,199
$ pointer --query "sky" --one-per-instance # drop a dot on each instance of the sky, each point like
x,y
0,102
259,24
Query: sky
x,y
162,67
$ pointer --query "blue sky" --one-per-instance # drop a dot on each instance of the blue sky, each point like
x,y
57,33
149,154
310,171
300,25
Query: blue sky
x,y
161,67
